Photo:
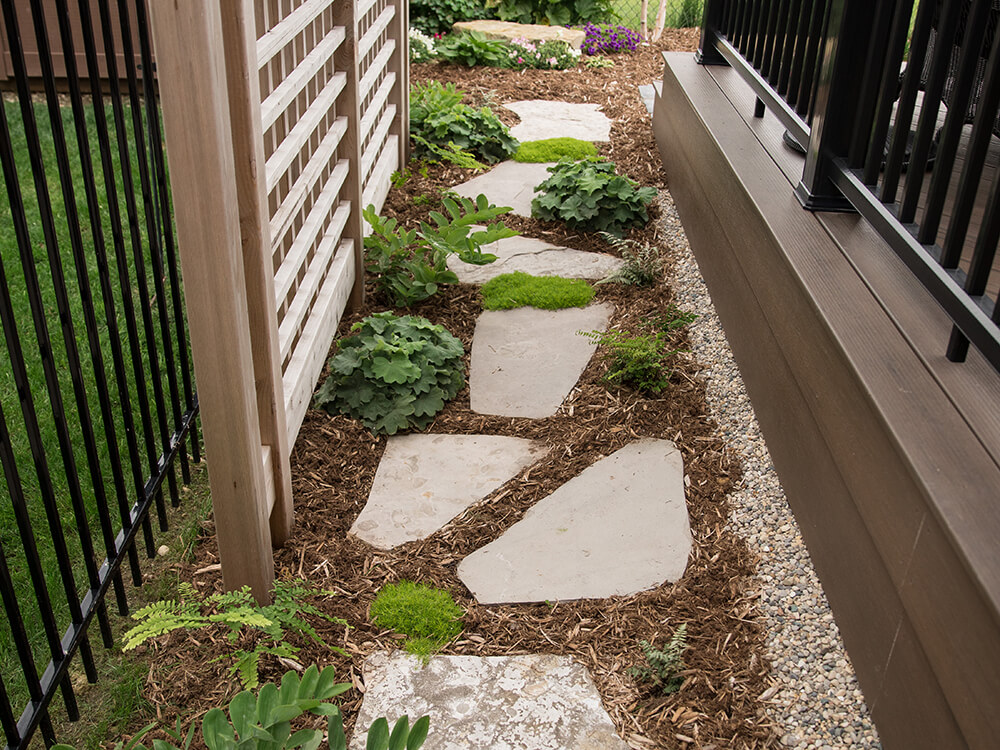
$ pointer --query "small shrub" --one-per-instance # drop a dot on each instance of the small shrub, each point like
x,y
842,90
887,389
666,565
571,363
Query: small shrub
x,y
589,196
643,263
422,47
638,360
608,39
662,668
549,55
409,266
438,16
438,117
554,149
555,12
393,373
427,615
519,289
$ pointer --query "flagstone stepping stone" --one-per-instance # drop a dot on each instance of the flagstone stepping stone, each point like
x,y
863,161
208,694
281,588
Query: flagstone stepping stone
x,y
541,119
533,32
537,257
525,361
424,481
618,528
510,183
530,702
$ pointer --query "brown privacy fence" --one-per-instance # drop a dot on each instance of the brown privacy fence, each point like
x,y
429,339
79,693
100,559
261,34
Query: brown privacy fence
x,y
283,119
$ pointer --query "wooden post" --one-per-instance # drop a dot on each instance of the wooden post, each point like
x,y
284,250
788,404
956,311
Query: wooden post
x,y
399,64
346,59
240,45
188,40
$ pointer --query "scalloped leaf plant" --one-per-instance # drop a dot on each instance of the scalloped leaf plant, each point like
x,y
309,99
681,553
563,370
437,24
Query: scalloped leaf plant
x,y
393,373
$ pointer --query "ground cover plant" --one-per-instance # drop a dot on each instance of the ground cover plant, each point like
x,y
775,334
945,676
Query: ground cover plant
x,y
427,615
554,149
519,289
589,195
335,459
393,373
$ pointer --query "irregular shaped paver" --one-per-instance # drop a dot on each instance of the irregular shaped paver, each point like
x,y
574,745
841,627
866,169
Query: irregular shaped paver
x,y
533,32
509,183
618,528
536,257
542,119
424,481
525,361
533,702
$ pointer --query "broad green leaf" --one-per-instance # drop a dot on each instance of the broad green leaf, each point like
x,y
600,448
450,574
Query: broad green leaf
x,y
397,740
378,735
216,731
307,739
243,713
267,700
337,740
418,733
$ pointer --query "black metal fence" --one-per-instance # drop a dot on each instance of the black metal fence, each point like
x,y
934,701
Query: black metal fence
x,y
895,105
98,406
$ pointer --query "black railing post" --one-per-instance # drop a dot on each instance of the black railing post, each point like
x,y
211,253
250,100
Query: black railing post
x,y
711,22
842,68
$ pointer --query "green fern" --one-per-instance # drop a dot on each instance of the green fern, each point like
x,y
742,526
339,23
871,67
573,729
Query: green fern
x,y
662,668
239,614
643,262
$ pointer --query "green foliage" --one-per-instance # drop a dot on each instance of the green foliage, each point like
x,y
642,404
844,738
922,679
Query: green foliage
x,y
429,616
447,153
674,319
555,12
438,116
393,373
638,360
554,149
410,265
238,613
265,721
421,47
684,14
598,61
471,48
589,196
518,289
662,668
438,16
643,263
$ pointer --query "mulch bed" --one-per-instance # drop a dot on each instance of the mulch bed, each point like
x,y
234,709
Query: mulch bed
x,y
335,459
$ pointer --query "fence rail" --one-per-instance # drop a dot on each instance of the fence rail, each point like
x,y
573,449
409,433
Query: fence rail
x,y
905,149
99,369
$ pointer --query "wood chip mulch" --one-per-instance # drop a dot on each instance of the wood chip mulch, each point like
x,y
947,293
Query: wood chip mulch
x,y
335,459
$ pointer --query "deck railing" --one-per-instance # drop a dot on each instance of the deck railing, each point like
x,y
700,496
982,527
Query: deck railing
x,y
881,97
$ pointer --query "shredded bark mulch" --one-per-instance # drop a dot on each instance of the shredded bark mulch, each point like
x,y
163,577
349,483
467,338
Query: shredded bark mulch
x,y
335,459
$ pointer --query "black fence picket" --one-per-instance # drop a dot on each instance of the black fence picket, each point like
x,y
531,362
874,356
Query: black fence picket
x,y
95,335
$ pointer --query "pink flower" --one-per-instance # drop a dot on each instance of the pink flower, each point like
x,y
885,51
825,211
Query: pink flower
x,y
552,61
520,59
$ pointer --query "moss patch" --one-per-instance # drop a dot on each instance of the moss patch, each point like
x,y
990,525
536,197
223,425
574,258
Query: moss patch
x,y
520,289
427,615
554,149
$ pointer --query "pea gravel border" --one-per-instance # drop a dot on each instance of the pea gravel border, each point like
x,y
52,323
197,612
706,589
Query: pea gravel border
x,y
814,701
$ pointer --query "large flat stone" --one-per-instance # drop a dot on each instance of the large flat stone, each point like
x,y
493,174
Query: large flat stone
x,y
536,257
525,361
533,702
618,528
541,119
424,481
533,32
509,183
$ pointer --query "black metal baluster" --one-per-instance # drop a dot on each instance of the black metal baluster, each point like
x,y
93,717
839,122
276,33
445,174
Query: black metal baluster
x,y
797,64
760,33
868,88
782,41
772,50
810,62
125,161
888,92
958,107
37,305
7,721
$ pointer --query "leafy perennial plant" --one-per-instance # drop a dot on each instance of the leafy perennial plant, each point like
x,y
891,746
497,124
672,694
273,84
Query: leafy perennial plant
x,y
605,38
438,116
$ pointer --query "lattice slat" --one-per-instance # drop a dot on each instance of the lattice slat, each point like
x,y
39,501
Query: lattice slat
x,y
373,33
375,69
287,29
285,93
371,115
380,179
377,141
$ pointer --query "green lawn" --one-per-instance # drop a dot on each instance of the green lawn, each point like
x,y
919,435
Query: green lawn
x,y
17,284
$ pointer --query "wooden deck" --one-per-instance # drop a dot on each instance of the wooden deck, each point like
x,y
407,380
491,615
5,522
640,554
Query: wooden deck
x,y
889,454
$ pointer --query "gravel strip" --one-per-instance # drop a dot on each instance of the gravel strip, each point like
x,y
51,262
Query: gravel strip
x,y
817,702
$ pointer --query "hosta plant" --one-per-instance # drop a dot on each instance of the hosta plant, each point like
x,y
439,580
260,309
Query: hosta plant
x,y
410,265
589,196
393,373
555,12
473,48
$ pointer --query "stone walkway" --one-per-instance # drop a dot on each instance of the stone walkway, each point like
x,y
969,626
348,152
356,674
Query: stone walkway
x,y
618,528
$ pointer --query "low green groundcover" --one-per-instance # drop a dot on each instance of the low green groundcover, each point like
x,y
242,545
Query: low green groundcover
x,y
554,149
427,615
520,289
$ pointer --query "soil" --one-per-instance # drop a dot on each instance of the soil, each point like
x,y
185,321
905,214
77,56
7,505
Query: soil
x,y
335,459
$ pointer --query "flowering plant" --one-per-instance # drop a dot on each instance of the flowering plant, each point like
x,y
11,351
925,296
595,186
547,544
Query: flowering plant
x,y
421,46
549,55
605,38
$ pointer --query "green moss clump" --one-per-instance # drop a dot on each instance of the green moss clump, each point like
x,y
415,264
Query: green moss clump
x,y
427,615
554,149
519,289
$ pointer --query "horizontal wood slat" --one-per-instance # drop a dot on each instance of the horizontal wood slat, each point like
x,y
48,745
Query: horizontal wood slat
x,y
287,29
378,138
370,37
377,186
286,92
370,117
362,8
377,66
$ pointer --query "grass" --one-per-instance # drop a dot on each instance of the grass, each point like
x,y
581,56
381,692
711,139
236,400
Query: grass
x,y
680,13
68,468
518,289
